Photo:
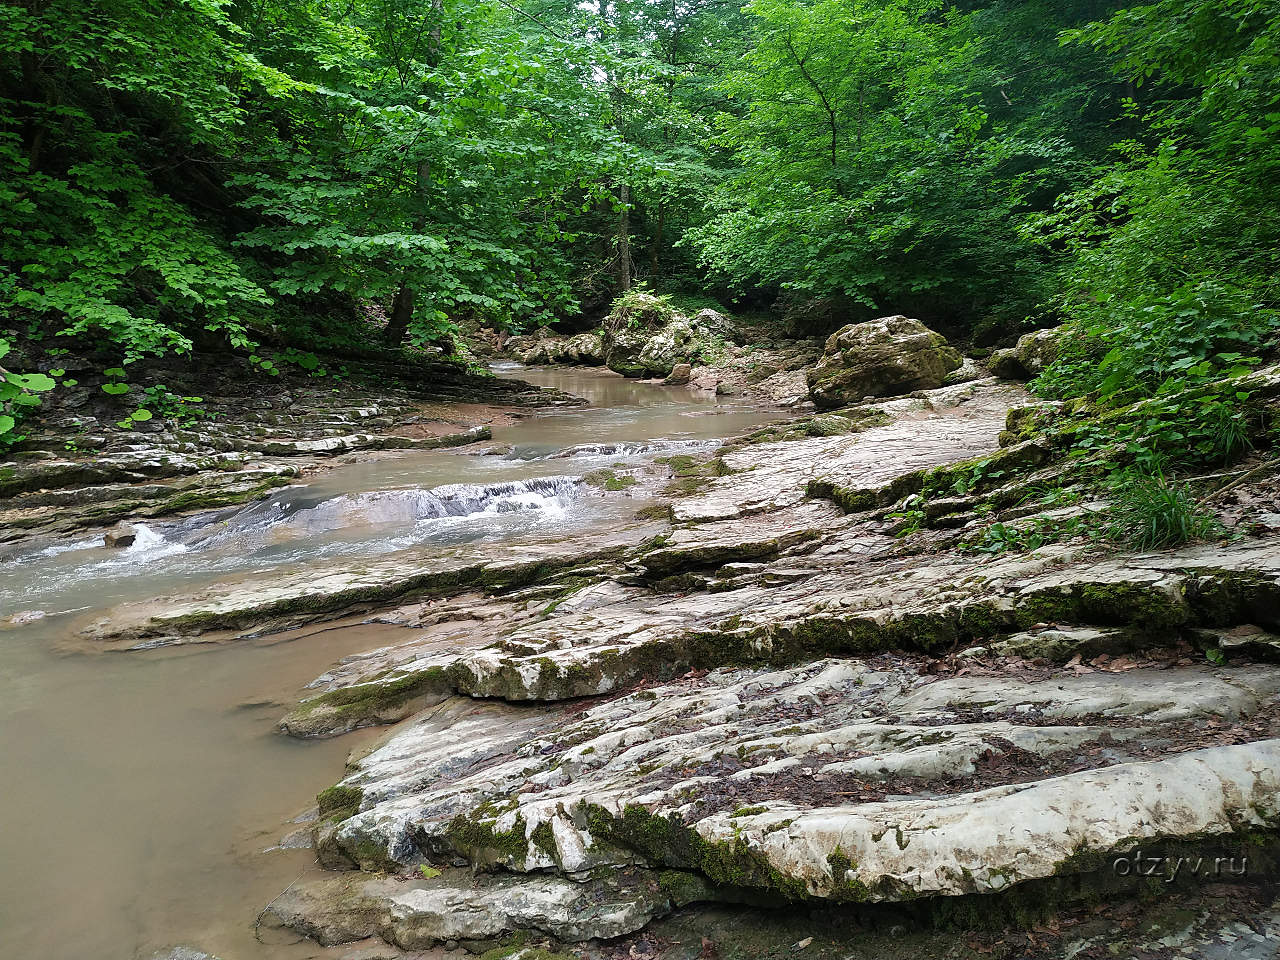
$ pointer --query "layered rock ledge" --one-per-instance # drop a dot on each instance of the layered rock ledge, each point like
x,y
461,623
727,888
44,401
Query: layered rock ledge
x,y
774,696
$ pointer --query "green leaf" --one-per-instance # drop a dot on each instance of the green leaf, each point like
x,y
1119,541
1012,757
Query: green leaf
x,y
142,414
37,382
115,389
114,372
7,422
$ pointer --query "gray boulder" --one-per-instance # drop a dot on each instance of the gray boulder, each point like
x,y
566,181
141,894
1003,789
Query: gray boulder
x,y
1028,357
638,350
585,348
891,355
677,342
680,375
544,347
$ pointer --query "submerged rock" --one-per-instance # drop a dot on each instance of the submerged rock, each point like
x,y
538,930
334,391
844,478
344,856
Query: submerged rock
x,y
882,357
121,535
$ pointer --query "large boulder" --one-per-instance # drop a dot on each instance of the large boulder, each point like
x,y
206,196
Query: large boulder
x,y
622,352
878,358
585,348
1028,357
678,342
650,342
545,347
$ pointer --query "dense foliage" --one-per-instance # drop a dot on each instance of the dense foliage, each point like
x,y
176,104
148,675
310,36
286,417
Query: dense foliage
x,y
278,176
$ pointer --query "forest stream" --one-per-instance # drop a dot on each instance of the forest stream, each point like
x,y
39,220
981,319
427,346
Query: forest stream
x,y
157,805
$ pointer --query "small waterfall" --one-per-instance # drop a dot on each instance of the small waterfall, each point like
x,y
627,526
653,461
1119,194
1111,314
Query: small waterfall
x,y
150,545
465,499
288,516
627,449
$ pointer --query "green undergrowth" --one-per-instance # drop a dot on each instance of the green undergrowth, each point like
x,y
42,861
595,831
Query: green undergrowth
x,y
1142,464
1151,513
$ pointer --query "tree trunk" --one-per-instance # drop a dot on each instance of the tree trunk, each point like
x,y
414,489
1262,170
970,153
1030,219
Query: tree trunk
x,y
406,299
401,313
402,306
624,238
657,239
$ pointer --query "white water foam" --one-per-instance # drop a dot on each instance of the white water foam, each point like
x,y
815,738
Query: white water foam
x,y
149,545
626,449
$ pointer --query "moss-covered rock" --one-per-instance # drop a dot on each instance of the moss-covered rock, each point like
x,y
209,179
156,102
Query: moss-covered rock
x,y
878,358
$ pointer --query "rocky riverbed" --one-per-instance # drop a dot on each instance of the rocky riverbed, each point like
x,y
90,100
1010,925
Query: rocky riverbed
x,y
789,706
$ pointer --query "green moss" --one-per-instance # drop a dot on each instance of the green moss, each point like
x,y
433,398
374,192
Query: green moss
x,y
859,499
1220,598
608,480
748,811
655,511
682,888
669,841
365,703
1022,424
1144,608
845,887
368,854
210,499
517,948
544,838
339,803
480,843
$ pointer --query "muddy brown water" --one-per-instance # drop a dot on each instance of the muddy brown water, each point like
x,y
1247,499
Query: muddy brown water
x,y
144,796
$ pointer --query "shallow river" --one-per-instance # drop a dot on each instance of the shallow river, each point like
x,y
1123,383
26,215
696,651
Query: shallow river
x,y
142,793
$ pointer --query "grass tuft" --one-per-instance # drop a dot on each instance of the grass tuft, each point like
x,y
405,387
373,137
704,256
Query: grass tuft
x,y
1152,513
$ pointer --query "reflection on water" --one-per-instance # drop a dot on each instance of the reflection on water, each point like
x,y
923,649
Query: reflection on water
x,y
141,791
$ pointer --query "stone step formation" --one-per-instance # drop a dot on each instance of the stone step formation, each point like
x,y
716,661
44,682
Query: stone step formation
x,y
773,698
